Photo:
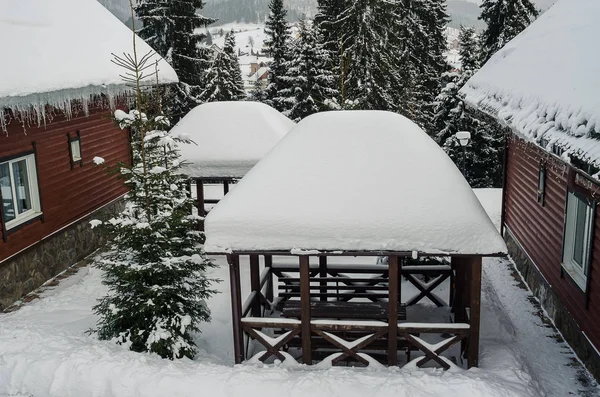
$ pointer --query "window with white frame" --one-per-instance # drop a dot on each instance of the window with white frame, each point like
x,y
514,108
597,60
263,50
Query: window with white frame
x,y
75,149
19,188
577,240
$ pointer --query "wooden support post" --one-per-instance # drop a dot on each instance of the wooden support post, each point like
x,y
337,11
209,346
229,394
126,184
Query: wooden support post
x,y
305,309
225,187
459,265
269,265
394,290
236,307
323,274
200,201
255,284
475,310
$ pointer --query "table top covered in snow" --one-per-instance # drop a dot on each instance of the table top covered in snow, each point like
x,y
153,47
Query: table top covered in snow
x,y
545,82
229,137
60,50
353,181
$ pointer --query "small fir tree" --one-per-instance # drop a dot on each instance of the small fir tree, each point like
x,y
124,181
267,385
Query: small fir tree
x,y
278,32
155,265
312,85
258,93
504,19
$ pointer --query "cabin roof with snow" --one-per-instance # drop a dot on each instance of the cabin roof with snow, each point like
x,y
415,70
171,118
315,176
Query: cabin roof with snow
x,y
61,50
229,137
353,181
545,83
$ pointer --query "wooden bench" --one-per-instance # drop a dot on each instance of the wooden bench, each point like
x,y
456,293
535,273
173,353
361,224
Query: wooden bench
x,y
343,310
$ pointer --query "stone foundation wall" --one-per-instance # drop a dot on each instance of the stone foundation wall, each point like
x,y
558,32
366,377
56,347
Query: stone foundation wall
x,y
552,304
29,269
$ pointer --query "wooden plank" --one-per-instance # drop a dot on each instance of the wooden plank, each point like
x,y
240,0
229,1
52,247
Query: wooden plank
x,y
322,276
200,203
394,291
255,284
305,316
269,265
475,311
236,307
343,310
348,295
225,187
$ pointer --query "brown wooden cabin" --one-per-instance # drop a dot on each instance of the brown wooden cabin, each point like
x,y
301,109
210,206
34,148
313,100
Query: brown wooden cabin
x,y
551,188
56,103
318,293
223,155
58,182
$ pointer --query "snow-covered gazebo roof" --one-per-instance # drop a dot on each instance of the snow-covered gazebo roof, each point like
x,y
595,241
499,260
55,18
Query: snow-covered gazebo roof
x,y
58,51
230,137
349,182
545,83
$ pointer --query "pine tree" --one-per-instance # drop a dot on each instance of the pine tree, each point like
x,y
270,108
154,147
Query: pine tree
x,y
278,32
330,37
311,84
505,19
424,41
258,93
238,92
483,156
171,28
155,265
371,47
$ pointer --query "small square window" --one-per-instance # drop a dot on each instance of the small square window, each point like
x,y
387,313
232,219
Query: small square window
x,y
541,188
75,149
577,242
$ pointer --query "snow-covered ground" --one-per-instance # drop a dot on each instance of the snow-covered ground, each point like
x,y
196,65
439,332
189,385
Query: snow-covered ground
x,y
45,351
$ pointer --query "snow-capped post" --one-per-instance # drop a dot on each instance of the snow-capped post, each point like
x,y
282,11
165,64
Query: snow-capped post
x,y
463,138
155,265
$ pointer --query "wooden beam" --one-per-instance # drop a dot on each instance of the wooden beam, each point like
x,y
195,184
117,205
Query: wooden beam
x,y
474,312
305,309
255,283
269,265
225,187
394,291
323,274
236,307
200,201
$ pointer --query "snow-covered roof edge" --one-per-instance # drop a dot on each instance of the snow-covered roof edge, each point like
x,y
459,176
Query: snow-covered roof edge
x,y
32,108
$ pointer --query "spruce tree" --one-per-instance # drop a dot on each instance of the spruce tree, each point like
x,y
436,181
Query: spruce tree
x,y
155,264
371,47
258,93
424,42
278,32
483,156
171,28
330,36
504,19
237,81
311,84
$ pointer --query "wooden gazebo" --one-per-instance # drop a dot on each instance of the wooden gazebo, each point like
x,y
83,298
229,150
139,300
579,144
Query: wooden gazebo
x,y
362,200
229,138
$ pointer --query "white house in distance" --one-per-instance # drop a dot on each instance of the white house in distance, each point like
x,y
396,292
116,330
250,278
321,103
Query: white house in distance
x,y
335,187
229,139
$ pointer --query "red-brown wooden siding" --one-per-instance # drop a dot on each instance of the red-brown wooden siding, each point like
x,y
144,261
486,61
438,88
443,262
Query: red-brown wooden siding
x,y
540,230
67,194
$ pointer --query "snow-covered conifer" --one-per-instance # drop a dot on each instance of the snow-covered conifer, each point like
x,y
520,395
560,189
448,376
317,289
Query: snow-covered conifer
x,y
310,82
278,32
238,92
172,29
155,264
484,154
504,19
